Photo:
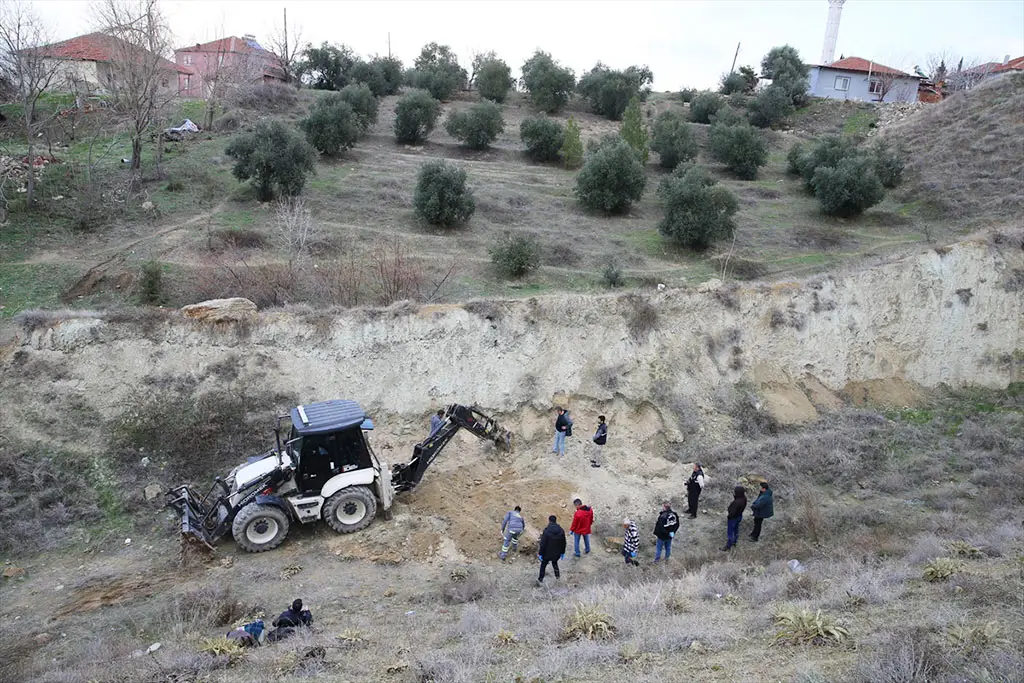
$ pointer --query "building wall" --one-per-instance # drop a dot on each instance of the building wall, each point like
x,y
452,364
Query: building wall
x,y
76,76
207,64
822,81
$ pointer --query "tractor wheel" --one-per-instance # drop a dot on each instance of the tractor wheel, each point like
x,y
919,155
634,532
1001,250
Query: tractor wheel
x,y
260,527
350,509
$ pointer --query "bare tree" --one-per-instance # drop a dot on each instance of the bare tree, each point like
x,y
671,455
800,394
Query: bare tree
x,y
968,73
225,72
888,82
287,46
140,75
27,72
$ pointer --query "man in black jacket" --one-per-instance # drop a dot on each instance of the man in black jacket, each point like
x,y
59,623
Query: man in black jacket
x,y
763,508
665,530
736,508
600,439
694,485
563,428
290,620
551,547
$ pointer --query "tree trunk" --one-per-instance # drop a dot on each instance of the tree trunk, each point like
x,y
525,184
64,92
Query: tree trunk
x,y
30,178
208,119
159,157
136,152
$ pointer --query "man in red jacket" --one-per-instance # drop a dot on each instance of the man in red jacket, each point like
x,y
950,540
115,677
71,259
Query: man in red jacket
x,y
582,520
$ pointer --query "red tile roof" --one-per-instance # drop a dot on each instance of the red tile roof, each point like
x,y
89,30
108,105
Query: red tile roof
x,y
95,47
864,65
229,44
1012,65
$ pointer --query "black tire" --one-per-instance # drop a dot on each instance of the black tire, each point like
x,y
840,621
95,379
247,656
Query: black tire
x,y
258,528
350,509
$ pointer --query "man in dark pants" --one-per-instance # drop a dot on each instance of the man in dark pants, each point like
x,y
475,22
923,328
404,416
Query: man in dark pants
x,y
694,485
735,516
763,508
551,547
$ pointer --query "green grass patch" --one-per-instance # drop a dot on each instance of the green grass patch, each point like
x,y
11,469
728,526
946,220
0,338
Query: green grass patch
x,y
328,176
859,123
38,285
234,220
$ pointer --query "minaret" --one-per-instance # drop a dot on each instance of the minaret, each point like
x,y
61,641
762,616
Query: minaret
x,y
835,11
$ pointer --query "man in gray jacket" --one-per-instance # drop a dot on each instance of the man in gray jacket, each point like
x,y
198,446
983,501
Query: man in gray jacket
x,y
511,528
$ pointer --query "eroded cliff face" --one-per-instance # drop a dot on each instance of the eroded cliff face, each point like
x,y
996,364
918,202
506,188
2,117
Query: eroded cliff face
x,y
949,316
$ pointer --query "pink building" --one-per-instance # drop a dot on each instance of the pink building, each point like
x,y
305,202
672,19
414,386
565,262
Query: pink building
x,y
240,59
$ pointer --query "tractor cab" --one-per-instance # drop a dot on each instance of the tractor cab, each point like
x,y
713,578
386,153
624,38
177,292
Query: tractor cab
x,y
326,439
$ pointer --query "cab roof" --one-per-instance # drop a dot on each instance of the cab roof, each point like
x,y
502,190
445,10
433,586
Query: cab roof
x,y
327,416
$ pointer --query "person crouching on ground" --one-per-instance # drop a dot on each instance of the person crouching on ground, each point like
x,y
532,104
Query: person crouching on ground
x,y
511,529
762,508
551,547
290,620
582,521
630,542
665,530
735,516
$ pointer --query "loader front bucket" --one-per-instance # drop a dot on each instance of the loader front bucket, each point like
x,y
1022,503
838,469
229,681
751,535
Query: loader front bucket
x,y
202,517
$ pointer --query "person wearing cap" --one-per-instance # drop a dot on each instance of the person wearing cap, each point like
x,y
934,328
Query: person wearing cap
x,y
630,542
551,548
665,530
735,516
763,507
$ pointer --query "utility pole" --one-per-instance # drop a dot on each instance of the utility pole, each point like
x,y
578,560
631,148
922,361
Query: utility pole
x,y
286,54
734,57
389,44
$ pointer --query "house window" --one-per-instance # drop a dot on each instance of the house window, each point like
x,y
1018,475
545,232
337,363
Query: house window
x,y
220,60
188,82
188,60
163,83
875,86
842,83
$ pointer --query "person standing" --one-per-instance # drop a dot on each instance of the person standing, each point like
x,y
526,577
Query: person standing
x,y
735,515
582,521
600,439
511,528
563,428
665,530
763,507
551,547
436,422
630,542
694,485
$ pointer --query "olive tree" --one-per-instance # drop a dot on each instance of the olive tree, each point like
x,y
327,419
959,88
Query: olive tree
x,y
274,157
612,177
548,83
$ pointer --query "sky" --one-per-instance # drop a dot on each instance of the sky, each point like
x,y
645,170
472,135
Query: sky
x,y
686,44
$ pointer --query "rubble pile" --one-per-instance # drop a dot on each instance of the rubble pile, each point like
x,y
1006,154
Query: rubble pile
x,y
16,168
894,112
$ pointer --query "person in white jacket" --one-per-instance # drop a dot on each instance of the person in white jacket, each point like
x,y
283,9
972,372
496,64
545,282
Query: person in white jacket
x,y
694,485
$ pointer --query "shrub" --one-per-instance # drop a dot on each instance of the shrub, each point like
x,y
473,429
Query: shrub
x,y
829,151
363,103
542,136
392,73
477,126
274,156
151,283
795,159
516,254
686,95
331,126
442,197
672,140
437,70
611,179
609,92
370,75
634,132
941,568
698,211
494,79
588,622
328,67
772,105
848,188
611,276
740,147
733,83
784,68
889,163
548,82
572,145
799,626
415,116
704,105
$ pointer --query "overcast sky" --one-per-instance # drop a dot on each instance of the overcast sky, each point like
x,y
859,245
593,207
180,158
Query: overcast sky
x,y
684,43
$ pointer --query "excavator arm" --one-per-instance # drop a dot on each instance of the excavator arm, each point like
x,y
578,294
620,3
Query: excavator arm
x,y
406,477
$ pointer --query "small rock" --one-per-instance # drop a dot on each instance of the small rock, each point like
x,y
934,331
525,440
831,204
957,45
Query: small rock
x,y
712,285
661,287
145,461
152,491
152,648
796,567
220,310
136,654
43,638
227,562
147,206
13,572
127,541
58,588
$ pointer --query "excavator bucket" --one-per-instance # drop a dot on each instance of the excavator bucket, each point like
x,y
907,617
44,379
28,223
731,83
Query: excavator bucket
x,y
482,425
202,517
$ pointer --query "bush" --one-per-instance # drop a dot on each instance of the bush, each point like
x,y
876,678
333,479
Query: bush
x,y
733,83
795,159
771,106
889,163
634,132
363,103
588,622
442,197
705,105
572,146
848,188
331,126
609,92
673,140
437,70
516,254
477,126
151,283
328,67
542,136
611,179
799,626
612,277
686,95
698,211
494,79
829,151
415,116
382,75
274,156
548,82
784,68
740,147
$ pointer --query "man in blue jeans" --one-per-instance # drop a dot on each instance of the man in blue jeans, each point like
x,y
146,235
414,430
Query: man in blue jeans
x,y
665,530
563,428
736,508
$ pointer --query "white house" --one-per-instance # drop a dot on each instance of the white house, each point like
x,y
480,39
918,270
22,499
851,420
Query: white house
x,y
859,79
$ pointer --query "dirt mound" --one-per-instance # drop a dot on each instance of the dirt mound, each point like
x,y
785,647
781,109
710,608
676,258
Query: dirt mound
x,y
967,153
107,591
